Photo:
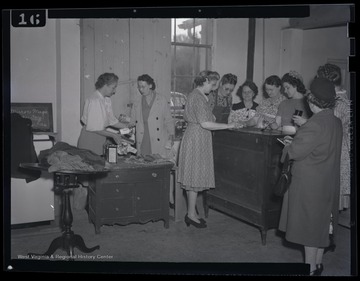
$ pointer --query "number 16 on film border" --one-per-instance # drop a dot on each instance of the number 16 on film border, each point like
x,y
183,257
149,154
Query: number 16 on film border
x,y
28,18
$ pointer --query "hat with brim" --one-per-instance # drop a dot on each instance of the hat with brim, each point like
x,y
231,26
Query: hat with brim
x,y
323,89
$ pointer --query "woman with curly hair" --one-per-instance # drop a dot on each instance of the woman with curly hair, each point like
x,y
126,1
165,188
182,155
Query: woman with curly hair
x,y
245,110
295,90
342,110
196,163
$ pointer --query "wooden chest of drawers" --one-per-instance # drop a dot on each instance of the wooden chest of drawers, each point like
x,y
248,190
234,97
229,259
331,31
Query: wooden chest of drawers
x,y
130,195
247,166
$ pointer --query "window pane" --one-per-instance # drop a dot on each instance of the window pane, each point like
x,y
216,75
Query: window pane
x,y
184,61
173,30
184,30
206,31
201,59
184,85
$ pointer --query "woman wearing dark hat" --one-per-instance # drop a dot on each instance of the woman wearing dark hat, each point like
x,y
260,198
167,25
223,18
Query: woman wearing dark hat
x,y
313,196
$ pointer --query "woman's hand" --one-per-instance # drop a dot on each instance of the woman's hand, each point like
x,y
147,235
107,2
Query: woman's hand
x,y
274,126
298,120
287,140
117,138
232,125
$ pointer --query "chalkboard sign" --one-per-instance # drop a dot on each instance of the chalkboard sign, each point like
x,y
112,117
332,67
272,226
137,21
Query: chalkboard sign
x,y
39,113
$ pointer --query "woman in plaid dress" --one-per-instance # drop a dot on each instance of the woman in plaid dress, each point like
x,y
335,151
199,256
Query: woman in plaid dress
x,y
196,164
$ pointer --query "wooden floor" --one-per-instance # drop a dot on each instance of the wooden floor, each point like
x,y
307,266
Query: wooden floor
x,y
225,242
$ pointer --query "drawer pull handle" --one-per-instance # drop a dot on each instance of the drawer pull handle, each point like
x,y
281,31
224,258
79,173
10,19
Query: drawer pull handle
x,y
117,209
117,190
154,175
117,176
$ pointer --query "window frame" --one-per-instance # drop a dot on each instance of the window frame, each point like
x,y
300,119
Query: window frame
x,y
208,48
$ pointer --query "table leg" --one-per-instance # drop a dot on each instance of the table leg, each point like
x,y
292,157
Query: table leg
x,y
68,241
263,236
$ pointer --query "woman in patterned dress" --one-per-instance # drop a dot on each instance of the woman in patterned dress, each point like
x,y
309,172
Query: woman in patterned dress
x,y
342,111
196,163
268,107
221,99
245,110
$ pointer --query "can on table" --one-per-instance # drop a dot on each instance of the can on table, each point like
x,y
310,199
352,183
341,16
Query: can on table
x,y
111,153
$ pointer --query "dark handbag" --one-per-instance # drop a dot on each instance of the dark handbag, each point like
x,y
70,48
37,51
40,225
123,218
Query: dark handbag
x,y
284,180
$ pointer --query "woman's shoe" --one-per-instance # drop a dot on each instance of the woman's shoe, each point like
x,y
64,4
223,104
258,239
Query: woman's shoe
x,y
332,245
189,221
320,268
317,272
202,220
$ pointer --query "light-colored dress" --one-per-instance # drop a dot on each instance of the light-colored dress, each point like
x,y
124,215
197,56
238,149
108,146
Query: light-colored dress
x,y
160,125
240,113
97,115
196,163
269,107
342,110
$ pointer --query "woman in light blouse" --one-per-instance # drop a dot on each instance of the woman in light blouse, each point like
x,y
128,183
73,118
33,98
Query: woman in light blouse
x,y
98,115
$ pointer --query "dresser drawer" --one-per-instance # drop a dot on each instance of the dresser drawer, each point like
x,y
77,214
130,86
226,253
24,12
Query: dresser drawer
x,y
116,208
116,190
126,176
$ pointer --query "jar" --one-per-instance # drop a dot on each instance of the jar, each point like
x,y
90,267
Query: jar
x,y
111,153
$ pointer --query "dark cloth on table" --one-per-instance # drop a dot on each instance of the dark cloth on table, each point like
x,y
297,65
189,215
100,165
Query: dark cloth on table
x,y
84,156
22,148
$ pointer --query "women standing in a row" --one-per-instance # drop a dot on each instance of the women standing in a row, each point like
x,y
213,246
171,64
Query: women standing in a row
x,y
313,196
155,128
196,163
98,115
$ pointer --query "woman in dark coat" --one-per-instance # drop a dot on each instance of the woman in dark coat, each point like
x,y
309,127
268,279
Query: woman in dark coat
x,y
313,196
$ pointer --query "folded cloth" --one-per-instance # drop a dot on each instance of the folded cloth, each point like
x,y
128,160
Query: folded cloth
x,y
61,160
65,158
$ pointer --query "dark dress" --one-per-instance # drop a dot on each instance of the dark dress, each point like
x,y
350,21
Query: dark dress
x,y
314,191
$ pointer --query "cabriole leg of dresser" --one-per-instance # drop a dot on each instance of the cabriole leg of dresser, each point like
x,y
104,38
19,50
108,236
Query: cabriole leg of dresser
x,y
166,223
97,228
263,236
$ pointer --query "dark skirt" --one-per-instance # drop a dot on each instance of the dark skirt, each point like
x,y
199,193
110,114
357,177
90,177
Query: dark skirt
x,y
92,141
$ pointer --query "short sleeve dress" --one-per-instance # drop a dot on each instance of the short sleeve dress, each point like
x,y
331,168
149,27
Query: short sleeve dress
x,y
287,109
97,115
196,163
